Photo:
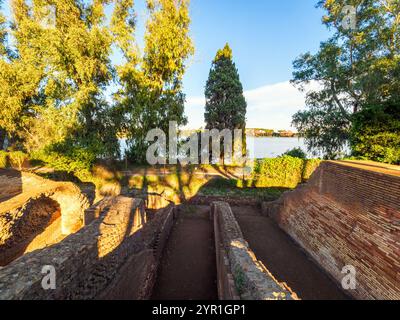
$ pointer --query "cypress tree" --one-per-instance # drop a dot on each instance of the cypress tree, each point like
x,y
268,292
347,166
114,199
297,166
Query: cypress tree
x,y
225,102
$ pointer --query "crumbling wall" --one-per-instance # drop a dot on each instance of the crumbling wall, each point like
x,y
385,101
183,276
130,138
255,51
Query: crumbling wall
x,y
114,257
239,271
19,227
348,215
29,204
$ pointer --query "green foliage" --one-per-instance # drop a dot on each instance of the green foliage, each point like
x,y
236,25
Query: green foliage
x,y
296,153
376,133
55,78
66,157
222,183
355,68
151,94
3,159
283,172
310,166
324,129
3,33
17,159
225,102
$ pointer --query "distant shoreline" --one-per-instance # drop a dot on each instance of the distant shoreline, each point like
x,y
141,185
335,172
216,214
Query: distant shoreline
x,y
256,133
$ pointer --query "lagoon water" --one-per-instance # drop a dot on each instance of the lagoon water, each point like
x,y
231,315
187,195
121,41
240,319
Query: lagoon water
x,y
272,147
263,147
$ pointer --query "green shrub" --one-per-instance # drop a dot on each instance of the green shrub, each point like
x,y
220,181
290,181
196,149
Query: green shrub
x,y
74,160
375,133
222,183
17,159
283,172
3,159
310,166
296,153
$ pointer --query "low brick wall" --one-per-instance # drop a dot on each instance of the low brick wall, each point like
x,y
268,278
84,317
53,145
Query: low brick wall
x,y
240,274
347,215
115,257
19,188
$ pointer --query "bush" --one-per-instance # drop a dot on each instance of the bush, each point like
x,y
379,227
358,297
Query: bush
x,y
72,159
17,159
296,153
3,159
310,166
283,172
375,133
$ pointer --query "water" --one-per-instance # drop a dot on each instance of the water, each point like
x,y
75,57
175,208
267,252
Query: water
x,y
272,147
264,147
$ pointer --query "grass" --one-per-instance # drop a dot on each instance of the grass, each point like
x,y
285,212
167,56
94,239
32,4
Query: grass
x,y
228,188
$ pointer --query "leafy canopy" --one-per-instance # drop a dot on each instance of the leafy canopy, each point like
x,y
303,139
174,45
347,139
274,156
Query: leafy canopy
x,y
353,69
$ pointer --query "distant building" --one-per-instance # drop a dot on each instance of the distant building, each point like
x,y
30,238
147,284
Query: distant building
x,y
257,132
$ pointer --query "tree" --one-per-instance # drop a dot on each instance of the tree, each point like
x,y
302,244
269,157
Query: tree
x,y
56,75
225,102
375,133
3,32
20,74
77,49
356,67
151,94
3,55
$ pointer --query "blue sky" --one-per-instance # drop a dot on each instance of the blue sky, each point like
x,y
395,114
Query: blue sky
x,y
266,36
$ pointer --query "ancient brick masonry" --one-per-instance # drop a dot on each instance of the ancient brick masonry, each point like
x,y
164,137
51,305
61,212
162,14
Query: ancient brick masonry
x,y
115,257
31,206
18,188
239,271
347,215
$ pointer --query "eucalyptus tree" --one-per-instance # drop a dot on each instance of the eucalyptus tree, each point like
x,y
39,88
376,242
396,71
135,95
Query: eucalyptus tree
x,y
151,94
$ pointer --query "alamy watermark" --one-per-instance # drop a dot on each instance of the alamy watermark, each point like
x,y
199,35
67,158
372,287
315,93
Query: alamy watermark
x,y
349,281
49,280
205,147
349,21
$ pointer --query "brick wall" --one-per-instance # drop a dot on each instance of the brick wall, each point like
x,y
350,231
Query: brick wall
x,y
239,271
115,257
18,188
344,216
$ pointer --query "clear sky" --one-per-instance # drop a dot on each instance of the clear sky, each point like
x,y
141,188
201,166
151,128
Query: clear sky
x,y
266,36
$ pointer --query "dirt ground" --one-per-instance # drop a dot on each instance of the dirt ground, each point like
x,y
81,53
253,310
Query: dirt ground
x,y
188,266
284,259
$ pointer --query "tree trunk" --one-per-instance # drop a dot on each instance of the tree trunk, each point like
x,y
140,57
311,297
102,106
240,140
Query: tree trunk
x,y
3,135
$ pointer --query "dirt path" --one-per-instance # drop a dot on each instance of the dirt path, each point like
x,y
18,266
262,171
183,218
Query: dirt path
x,y
188,267
284,259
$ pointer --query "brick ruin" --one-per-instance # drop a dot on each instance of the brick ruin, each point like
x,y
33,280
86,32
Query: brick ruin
x,y
94,262
240,274
348,214
36,212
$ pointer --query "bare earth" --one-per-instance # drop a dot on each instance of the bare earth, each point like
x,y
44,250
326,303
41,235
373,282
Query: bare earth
x,y
284,259
188,267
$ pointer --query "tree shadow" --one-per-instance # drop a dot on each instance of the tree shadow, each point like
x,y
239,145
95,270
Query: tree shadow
x,y
86,188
